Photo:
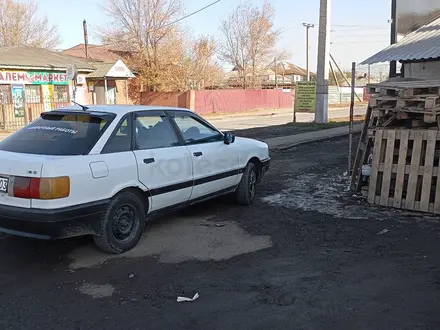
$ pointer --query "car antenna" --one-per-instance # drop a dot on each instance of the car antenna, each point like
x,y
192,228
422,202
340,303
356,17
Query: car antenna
x,y
82,106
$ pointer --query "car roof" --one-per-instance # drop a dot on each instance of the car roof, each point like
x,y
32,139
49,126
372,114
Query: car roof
x,y
120,109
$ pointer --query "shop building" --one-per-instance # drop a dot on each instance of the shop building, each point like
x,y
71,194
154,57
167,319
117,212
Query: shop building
x,y
33,80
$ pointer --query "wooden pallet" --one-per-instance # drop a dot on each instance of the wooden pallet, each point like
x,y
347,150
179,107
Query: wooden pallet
x,y
405,88
406,170
425,102
363,151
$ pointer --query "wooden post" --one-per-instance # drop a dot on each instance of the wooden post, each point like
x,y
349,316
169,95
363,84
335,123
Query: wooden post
x,y
105,90
126,91
353,84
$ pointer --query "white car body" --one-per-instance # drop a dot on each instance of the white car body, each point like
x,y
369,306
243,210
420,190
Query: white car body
x,y
168,177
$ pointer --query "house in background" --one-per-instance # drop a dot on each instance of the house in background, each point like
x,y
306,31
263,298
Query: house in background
x,y
284,75
104,58
293,72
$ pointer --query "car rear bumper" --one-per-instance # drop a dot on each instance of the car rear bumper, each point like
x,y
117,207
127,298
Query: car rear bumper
x,y
54,223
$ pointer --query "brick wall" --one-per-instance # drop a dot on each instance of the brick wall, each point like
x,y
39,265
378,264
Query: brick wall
x,y
169,99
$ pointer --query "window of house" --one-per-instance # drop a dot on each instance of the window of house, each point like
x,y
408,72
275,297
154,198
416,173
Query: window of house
x,y
61,93
33,93
5,94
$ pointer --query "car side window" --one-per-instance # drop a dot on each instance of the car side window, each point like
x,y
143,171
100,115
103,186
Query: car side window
x,y
120,140
194,131
153,132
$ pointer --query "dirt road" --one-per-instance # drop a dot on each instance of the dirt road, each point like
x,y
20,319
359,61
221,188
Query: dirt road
x,y
306,255
272,118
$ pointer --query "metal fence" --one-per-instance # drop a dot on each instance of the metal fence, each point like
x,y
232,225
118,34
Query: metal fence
x,y
17,113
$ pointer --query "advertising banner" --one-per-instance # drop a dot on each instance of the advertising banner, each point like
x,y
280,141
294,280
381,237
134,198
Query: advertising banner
x,y
18,97
33,77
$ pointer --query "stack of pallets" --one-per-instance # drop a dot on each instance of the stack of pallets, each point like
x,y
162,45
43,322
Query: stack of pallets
x,y
400,138
406,103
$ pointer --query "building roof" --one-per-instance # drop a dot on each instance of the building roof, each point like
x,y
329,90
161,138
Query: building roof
x,y
116,69
292,69
39,58
101,70
422,44
97,52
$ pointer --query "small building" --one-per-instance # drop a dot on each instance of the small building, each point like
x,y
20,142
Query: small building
x,y
418,52
33,80
293,72
103,56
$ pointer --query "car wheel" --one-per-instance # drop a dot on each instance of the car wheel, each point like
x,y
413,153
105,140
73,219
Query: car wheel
x,y
246,189
122,224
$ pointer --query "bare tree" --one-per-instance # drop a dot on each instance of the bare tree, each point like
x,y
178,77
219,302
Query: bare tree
x,y
146,27
20,25
249,40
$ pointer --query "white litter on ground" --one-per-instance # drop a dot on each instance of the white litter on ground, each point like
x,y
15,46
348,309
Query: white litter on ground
x,y
185,299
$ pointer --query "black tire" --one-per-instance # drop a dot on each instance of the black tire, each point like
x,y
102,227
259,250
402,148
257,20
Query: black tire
x,y
122,224
246,189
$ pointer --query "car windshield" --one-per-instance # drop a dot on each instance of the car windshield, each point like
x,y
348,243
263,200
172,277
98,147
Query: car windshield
x,y
58,134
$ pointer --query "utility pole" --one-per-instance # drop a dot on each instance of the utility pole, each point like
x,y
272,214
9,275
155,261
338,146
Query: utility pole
x,y
321,114
86,39
393,64
308,26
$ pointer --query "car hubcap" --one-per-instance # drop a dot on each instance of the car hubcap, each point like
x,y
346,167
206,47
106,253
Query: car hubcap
x,y
124,223
252,184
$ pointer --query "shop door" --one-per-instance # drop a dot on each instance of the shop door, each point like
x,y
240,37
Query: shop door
x,y
100,94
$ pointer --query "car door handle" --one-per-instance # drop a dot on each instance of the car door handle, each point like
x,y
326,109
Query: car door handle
x,y
148,160
197,154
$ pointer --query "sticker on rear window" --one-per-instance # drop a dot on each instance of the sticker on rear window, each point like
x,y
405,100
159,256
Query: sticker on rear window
x,y
58,129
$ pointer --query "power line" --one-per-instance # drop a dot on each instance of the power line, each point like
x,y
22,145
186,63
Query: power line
x,y
193,13
360,36
174,22
360,42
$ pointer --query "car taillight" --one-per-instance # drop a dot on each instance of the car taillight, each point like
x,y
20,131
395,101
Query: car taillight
x,y
41,188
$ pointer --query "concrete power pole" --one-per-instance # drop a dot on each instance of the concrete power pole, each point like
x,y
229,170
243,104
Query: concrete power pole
x,y
308,26
321,115
393,37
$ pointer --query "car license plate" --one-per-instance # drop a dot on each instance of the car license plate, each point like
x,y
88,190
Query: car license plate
x,y
4,182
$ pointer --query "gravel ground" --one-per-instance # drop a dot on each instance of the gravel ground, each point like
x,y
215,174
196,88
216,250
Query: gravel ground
x,y
306,255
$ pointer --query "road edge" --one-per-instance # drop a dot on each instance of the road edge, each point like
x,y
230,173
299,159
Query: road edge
x,y
332,134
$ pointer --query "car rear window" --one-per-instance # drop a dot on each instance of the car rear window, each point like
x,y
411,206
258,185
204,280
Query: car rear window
x,y
59,134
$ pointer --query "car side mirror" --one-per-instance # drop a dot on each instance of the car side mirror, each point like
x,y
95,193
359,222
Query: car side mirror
x,y
228,138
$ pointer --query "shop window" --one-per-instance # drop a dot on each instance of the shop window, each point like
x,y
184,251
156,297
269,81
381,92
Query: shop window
x,y
5,94
61,94
33,93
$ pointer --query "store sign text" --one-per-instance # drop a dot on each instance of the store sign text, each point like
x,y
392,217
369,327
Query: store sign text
x,y
38,78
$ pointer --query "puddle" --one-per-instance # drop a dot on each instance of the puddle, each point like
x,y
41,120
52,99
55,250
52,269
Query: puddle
x,y
179,240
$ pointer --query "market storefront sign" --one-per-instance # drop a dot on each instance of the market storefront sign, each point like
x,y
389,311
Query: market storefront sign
x,y
33,77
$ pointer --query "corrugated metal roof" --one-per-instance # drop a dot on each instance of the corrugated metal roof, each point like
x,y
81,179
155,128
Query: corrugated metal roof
x,y
422,44
101,70
40,58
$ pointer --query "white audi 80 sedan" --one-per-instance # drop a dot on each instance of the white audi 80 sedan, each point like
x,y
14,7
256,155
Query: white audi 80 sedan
x,y
105,170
